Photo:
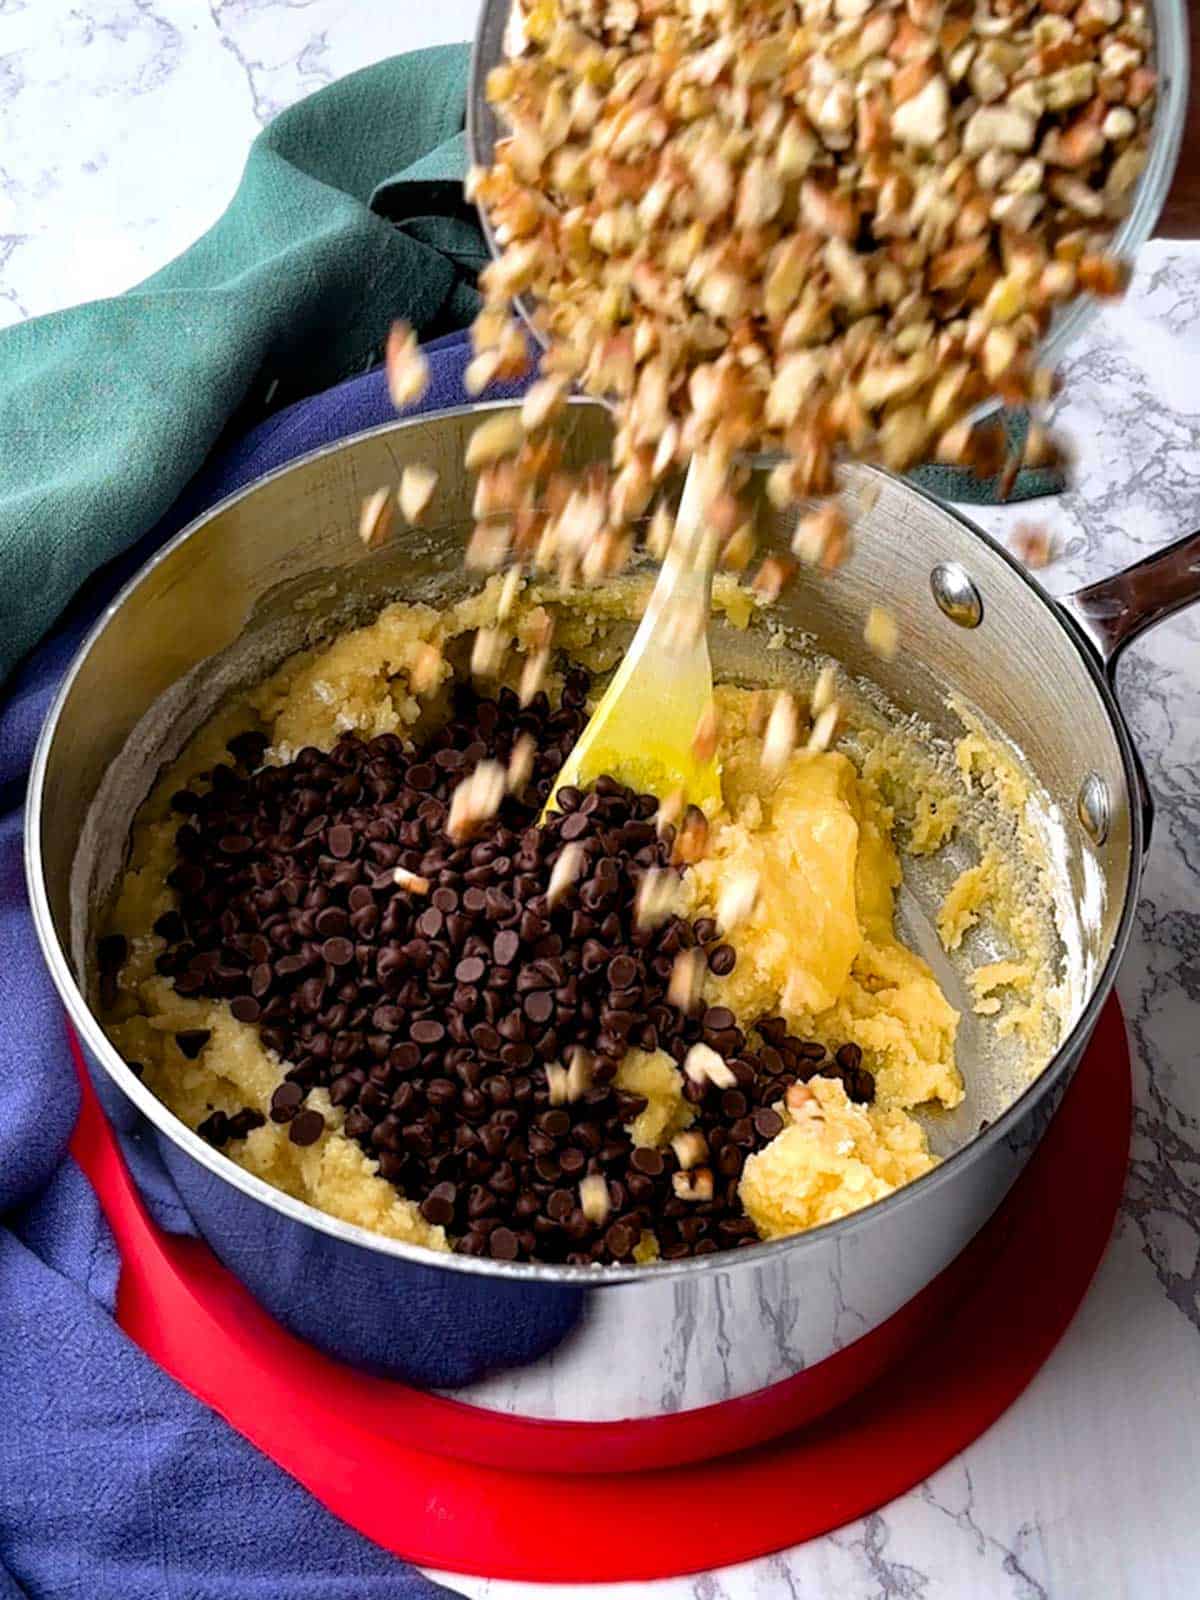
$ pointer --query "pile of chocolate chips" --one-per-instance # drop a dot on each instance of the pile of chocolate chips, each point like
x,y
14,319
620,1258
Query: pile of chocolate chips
x,y
431,1018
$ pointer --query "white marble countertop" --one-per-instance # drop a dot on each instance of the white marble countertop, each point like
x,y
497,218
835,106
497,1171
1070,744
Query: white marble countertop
x,y
123,126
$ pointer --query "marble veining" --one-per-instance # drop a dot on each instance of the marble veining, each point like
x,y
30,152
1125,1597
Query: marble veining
x,y
123,126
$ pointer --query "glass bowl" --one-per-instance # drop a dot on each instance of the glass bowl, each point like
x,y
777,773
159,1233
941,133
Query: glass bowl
x,y
1170,60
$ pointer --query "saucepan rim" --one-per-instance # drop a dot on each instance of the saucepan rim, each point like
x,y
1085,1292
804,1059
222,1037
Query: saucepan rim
x,y
578,1277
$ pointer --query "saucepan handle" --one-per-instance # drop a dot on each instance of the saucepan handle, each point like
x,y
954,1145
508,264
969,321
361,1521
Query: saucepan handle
x,y
1115,610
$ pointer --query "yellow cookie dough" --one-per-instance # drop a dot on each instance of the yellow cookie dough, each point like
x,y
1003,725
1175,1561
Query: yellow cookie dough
x,y
820,949
656,1077
832,1160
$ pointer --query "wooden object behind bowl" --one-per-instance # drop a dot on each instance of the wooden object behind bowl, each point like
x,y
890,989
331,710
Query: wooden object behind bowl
x,y
1180,217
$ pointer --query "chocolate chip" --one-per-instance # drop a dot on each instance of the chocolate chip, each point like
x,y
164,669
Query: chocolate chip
x,y
340,841
767,1122
647,1161
333,920
248,748
504,1244
306,1127
539,1006
192,1040
244,1122
622,972
245,1008
729,1162
733,1104
338,952
722,960
215,1129
620,1240
438,1205
285,1101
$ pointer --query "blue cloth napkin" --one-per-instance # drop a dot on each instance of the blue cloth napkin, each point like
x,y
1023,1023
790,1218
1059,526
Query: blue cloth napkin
x,y
114,1483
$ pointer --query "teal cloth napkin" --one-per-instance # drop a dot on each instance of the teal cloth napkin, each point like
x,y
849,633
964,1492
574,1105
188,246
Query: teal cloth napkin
x,y
959,483
349,214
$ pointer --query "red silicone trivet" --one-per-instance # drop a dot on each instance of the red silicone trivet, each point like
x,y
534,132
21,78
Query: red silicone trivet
x,y
318,1420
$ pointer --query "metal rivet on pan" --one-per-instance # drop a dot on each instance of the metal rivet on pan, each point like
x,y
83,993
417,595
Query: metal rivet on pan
x,y
956,594
1094,807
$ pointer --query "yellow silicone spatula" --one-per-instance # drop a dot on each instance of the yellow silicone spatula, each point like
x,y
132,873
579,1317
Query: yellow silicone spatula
x,y
643,730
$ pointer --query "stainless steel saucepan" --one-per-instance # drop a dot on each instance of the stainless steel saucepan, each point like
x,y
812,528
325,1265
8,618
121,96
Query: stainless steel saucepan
x,y
279,566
